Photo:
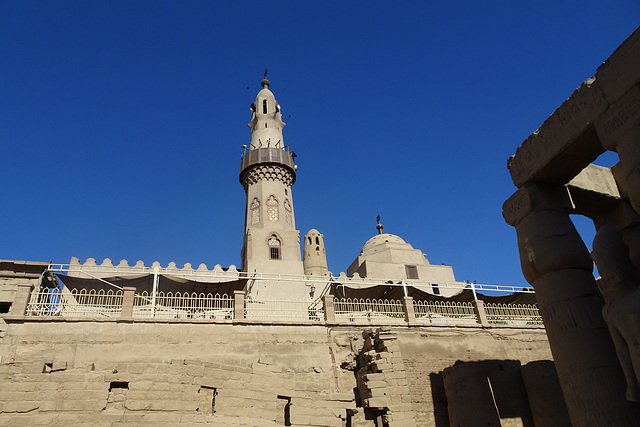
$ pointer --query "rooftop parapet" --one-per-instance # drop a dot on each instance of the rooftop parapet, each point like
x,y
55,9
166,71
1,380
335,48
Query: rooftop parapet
x,y
107,269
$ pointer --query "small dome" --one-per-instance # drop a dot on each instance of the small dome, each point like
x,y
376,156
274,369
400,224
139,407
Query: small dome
x,y
381,239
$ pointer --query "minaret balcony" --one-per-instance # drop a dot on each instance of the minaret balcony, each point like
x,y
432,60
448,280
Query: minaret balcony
x,y
267,155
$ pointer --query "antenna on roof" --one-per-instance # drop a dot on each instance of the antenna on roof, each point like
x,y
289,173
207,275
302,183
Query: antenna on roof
x,y
250,94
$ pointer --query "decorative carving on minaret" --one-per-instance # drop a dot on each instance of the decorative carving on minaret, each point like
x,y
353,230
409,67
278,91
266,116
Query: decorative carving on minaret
x,y
272,208
255,211
267,173
287,212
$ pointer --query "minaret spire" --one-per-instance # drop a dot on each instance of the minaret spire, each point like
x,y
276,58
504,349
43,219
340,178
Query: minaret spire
x,y
267,173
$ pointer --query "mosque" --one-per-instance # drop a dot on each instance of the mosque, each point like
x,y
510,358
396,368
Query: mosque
x,y
394,341
272,243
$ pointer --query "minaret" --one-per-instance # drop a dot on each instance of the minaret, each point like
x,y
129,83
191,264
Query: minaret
x,y
315,258
267,173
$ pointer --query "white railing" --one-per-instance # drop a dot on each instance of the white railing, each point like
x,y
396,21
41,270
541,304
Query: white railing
x,y
183,306
74,303
108,304
284,310
445,312
513,314
372,310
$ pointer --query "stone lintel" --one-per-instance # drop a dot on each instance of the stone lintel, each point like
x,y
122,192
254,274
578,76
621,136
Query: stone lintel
x,y
534,197
565,143
622,69
619,119
594,191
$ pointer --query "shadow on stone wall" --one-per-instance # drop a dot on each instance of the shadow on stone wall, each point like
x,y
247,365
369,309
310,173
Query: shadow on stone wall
x,y
440,407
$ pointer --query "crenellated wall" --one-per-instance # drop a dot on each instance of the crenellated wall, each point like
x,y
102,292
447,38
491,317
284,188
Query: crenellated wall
x,y
107,268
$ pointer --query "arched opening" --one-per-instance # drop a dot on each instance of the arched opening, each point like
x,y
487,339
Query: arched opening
x,y
264,106
274,247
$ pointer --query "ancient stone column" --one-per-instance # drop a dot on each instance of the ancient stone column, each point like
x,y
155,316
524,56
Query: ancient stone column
x,y
470,399
547,404
556,262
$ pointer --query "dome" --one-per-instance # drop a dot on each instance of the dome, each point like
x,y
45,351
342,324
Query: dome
x,y
384,239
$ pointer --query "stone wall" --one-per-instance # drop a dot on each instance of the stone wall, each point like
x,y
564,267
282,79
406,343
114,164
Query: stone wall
x,y
165,373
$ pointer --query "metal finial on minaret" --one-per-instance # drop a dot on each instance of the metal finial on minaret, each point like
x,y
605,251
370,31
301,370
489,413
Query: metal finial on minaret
x,y
265,82
379,226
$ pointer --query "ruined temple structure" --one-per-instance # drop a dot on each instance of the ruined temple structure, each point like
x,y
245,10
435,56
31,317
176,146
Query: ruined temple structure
x,y
597,357
394,341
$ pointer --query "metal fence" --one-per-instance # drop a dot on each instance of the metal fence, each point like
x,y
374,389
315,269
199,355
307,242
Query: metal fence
x,y
284,310
183,306
445,312
74,303
108,304
371,310
513,314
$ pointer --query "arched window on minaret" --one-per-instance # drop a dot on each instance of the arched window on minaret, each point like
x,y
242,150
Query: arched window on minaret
x,y
264,106
287,212
274,247
272,208
255,211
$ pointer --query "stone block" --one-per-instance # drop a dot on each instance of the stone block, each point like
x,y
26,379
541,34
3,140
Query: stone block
x,y
377,402
594,191
565,143
619,119
374,376
377,384
622,69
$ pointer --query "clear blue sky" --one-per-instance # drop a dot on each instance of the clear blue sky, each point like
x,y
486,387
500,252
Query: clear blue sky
x,y
121,122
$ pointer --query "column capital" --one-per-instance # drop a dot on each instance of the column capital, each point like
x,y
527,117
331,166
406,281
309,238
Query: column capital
x,y
535,197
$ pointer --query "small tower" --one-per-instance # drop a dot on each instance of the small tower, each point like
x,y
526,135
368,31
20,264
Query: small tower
x,y
315,258
267,173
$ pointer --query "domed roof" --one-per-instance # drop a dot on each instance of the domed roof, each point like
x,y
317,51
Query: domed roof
x,y
382,239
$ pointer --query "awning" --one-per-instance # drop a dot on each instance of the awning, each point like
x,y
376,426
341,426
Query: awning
x,y
144,283
396,292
